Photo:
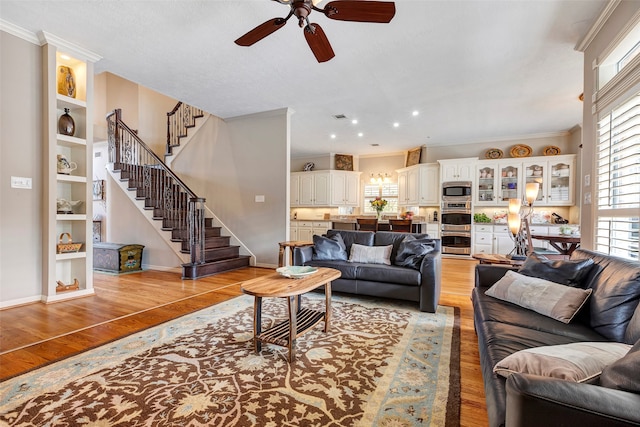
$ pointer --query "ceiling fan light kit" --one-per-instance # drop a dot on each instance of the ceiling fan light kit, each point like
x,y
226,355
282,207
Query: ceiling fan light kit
x,y
341,10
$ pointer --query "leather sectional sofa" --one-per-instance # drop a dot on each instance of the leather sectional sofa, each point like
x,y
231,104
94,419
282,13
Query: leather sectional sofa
x,y
420,283
610,314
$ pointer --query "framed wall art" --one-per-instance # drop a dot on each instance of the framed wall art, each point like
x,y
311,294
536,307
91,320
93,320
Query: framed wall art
x,y
413,156
344,162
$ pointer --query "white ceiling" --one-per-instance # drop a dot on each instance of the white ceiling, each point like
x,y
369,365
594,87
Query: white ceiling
x,y
476,70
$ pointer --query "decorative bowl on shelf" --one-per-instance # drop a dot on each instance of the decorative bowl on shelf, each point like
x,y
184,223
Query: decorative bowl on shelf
x,y
296,271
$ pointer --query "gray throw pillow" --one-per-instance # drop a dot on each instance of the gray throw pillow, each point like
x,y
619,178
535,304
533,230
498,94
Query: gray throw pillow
x,y
411,251
623,373
329,248
565,272
550,299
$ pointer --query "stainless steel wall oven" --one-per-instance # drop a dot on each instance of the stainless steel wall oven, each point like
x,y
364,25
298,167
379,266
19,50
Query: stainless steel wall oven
x,y
456,218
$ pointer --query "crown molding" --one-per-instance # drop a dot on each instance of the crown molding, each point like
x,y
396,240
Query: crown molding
x,y
503,139
13,29
70,48
597,26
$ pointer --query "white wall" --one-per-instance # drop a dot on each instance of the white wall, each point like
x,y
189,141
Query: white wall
x,y
20,155
230,163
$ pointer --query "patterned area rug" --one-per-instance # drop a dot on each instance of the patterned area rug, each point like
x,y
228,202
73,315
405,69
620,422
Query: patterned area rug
x,y
381,364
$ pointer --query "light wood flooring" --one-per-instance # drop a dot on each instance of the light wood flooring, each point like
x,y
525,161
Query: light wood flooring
x,y
37,334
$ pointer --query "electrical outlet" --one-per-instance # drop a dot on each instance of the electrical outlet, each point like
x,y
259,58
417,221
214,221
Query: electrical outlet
x,y
20,182
587,198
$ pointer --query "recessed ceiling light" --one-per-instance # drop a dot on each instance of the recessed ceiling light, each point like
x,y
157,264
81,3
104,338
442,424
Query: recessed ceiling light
x,y
354,121
415,113
333,136
396,124
360,134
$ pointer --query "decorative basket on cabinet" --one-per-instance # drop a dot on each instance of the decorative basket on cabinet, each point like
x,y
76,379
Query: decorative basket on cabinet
x,y
68,246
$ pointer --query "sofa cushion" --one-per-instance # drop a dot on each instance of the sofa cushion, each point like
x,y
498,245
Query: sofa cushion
x,y
486,308
578,362
370,254
329,248
389,274
623,373
616,293
542,296
565,272
348,270
394,238
350,237
411,251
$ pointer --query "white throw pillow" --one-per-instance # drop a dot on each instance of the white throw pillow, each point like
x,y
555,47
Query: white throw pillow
x,y
551,299
577,362
370,254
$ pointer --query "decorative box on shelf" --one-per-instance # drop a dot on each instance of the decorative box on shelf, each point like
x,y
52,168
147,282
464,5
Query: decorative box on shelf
x,y
117,257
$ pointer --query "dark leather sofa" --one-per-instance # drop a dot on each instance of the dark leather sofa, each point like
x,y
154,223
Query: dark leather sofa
x,y
610,314
390,281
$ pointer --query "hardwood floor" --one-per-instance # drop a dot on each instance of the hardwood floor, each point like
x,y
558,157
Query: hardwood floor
x,y
37,334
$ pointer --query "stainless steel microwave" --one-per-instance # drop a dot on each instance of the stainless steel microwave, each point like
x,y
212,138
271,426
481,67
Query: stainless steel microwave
x,y
456,189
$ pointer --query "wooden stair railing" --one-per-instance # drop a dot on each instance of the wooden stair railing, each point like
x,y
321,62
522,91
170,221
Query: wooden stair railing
x,y
179,120
161,189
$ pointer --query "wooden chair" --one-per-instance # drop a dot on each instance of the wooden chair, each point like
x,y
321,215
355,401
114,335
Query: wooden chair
x,y
400,225
367,224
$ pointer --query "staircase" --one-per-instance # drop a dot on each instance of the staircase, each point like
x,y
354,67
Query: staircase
x,y
179,121
178,209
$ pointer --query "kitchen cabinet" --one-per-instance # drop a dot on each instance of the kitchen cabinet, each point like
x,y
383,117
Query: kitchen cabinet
x,y
67,190
556,178
498,181
345,188
408,182
457,169
491,239
313,188
324,188
419,185
433,230
429,189
306,229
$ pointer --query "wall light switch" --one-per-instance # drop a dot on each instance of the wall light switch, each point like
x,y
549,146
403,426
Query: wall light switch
x,y
260,199
587,180
20,182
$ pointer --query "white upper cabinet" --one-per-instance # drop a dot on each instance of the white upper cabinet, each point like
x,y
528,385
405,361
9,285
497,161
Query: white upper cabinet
x,y
457,169
325,188
497,181
429,184
345,188
556,176
419,185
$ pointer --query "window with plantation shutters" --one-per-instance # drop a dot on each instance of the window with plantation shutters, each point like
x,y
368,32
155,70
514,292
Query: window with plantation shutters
x,y
388,191
618,180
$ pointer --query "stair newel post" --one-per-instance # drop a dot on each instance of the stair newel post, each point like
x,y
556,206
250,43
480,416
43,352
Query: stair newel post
x,y
196,229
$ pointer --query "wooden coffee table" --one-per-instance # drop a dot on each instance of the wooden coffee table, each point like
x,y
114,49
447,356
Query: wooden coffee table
x,y
497,259
300,319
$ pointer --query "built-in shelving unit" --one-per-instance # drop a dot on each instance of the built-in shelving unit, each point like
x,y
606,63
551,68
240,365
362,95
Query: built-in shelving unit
x,y
66,268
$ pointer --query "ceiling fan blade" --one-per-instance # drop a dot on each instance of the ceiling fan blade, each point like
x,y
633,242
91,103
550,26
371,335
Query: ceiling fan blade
x,y
361,11
261,31
318,42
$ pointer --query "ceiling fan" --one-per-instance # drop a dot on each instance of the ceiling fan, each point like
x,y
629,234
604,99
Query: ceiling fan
x,y
342,10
